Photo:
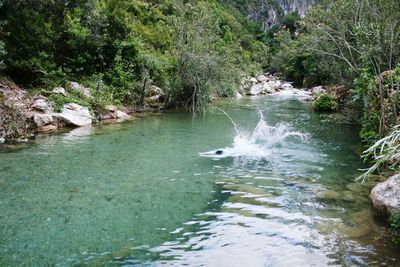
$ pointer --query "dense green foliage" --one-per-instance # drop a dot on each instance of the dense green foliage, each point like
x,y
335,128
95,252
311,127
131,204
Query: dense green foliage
x,y
352,43
395,227
2,44
196,49
191,49
385,154
378,97
325,102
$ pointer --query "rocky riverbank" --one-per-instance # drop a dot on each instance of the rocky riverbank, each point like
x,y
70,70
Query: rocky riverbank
x,y
270,83
263,84
385,196
23,114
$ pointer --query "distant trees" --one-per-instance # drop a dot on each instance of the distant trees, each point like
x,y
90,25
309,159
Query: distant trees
x,y
204,64
351,42
359,34
2,44
191,49
362,37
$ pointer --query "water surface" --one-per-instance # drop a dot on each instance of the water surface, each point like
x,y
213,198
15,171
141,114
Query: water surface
x,y
139,193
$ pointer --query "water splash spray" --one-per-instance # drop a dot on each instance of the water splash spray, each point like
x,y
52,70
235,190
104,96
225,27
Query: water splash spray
x,y
256,144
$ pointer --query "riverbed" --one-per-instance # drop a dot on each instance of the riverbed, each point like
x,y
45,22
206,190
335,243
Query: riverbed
x,y
151,192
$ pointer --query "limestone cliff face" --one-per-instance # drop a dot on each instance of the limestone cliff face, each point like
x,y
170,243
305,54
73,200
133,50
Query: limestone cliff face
x,y
269,12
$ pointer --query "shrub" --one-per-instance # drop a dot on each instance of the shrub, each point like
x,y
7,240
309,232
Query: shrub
x,y
325,102
384,153
395,227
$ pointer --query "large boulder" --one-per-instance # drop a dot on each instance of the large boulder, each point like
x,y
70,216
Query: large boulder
x,y
275,85
121,115
42,105
287,86
75,115
267,88
386,195
257,89
262,78
318,90
42,119
84,91
154,91
112,112
154,97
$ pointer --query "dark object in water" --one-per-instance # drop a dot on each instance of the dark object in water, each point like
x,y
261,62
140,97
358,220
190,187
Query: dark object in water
x,y
219,152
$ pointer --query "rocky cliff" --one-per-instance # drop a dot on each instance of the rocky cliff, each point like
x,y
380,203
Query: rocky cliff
x,y
269,12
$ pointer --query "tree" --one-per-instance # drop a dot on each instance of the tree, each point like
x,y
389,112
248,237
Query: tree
x,y
2,44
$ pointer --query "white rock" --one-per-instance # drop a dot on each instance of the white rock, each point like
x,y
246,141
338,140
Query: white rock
x,y
253,80
2,140
238,95
84,91
262,78
318,90
76,115
287,86
121,115
275,85
307,98
42,119
59,90
257,89
268,89
386,196
42,105
154,90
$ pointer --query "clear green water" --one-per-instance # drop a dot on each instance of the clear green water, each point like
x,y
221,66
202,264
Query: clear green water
x,y
138,193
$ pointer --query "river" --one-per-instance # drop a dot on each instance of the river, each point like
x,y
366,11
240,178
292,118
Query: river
x,y
145,193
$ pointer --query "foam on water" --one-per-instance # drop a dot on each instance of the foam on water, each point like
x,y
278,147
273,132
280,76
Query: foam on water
x,y
256,144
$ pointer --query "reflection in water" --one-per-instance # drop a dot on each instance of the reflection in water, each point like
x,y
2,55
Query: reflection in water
x,y
139,194
78,135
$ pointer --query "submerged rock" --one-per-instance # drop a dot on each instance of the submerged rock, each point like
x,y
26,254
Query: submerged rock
x,y
386,195
47,128
76,115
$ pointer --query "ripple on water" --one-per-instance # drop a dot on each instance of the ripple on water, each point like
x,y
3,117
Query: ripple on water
x,y
138,194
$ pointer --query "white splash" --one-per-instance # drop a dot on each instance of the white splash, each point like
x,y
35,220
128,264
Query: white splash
x,y
257,144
